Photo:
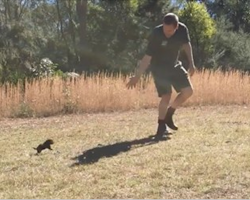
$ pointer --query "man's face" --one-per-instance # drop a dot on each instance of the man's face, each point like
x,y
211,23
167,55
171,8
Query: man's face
x,y
169,30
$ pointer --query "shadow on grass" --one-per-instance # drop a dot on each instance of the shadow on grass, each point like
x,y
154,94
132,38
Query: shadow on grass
x,y
93,155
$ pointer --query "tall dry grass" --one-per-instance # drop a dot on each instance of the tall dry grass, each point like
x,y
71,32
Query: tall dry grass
x,y
102,93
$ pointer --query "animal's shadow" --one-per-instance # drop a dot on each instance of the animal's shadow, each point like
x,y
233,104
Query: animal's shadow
x,y
93,155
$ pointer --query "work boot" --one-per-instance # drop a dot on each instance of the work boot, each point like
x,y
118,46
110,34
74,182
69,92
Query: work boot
x,y
169,119
162,129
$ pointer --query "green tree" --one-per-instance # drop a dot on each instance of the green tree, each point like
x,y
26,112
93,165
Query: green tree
x,y
235,11
201,28
230,48
19,45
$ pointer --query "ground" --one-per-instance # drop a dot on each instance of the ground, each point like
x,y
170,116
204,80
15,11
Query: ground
x,y
111,155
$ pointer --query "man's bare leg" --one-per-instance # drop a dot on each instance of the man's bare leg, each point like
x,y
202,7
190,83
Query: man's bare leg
x,y
163,105
184,94
162,109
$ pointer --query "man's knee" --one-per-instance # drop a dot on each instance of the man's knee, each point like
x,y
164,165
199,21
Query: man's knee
x,y
187,92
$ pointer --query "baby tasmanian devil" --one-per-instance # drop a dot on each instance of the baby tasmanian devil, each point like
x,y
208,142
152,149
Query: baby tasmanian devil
x,y
45,145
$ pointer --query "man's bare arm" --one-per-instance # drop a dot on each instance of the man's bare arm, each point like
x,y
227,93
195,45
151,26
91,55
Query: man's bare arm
x,y
144,64
188,50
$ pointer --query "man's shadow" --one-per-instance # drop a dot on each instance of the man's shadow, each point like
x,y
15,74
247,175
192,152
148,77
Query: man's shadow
x,y
93,155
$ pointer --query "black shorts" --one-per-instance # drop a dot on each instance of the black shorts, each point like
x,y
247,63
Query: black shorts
x,y
178,79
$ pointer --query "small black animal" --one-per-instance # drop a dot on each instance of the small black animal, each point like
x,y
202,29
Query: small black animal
x,y
45,145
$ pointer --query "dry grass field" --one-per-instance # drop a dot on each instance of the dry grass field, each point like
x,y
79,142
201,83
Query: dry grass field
x,y
53,96
111,155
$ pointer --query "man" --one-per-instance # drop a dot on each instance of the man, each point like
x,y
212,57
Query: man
x,y
162,56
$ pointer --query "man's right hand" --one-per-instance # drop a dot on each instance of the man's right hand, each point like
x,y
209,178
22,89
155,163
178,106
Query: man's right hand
x,y
132,82
143,65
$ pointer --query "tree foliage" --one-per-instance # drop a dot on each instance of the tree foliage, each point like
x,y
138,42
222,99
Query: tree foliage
x,y
201,28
